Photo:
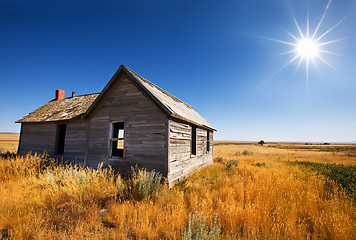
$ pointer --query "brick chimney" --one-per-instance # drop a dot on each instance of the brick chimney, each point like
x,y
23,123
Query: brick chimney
x,y
59,94
73,94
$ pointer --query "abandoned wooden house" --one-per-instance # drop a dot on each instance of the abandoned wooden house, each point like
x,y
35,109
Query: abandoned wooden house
x,y
130,122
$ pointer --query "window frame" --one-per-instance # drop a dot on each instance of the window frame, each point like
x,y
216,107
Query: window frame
x,y
112,139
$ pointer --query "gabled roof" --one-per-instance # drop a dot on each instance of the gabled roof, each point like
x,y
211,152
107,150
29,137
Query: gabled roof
x,y
71,108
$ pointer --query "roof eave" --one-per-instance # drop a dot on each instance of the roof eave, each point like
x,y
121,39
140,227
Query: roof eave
x,y
175,116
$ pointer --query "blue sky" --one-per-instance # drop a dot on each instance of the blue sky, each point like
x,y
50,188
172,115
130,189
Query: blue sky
x,y
214,55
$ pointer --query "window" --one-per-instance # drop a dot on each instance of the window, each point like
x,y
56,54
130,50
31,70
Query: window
x,y
60,139
207,141
118,139
194,141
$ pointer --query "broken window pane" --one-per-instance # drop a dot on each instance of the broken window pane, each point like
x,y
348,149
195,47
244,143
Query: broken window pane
x,y
118,139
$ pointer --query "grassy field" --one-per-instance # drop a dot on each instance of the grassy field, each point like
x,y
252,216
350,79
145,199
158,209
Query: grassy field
x,y
283,191
9,142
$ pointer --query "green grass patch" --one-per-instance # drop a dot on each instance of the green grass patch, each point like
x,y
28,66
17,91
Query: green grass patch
x,y
246,153
231,163
199,228
343,176
258,164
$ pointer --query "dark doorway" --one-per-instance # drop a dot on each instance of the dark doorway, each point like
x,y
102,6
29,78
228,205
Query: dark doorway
x,y
60,139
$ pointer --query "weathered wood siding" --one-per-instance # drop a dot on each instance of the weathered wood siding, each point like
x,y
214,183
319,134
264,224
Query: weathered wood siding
x,y
41,137
37,138
145,130
181,162
75,141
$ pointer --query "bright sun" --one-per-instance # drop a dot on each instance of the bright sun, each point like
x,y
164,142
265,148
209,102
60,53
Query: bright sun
x,y
307,48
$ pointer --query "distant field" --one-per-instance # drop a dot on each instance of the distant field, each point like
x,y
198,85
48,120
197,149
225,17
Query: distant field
x,y
331,153
9,141
316,146
349,149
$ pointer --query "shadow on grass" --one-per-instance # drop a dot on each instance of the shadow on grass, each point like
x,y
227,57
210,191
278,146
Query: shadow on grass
x,y
7,155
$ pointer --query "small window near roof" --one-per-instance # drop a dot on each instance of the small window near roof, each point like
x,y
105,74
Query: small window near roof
x,y
118,139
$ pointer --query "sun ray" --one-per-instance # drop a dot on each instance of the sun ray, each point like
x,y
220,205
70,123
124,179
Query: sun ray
x,y
292,60
300,62
280,41
287,52
322,18
307,76
316,65
332,41
296,23
285,65
333,53
290,34
280,69
329,64
308,23
332,28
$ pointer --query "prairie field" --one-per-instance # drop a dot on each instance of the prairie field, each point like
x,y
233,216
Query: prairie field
x,y
9,142
279,191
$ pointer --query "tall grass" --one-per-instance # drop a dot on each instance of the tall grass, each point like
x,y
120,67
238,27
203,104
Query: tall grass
x,y
13,167
252,197
140,185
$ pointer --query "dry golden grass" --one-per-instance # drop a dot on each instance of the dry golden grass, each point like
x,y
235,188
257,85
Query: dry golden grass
x,y
268,201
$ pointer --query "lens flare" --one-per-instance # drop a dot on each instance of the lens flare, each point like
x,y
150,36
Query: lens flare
x,y
306,47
